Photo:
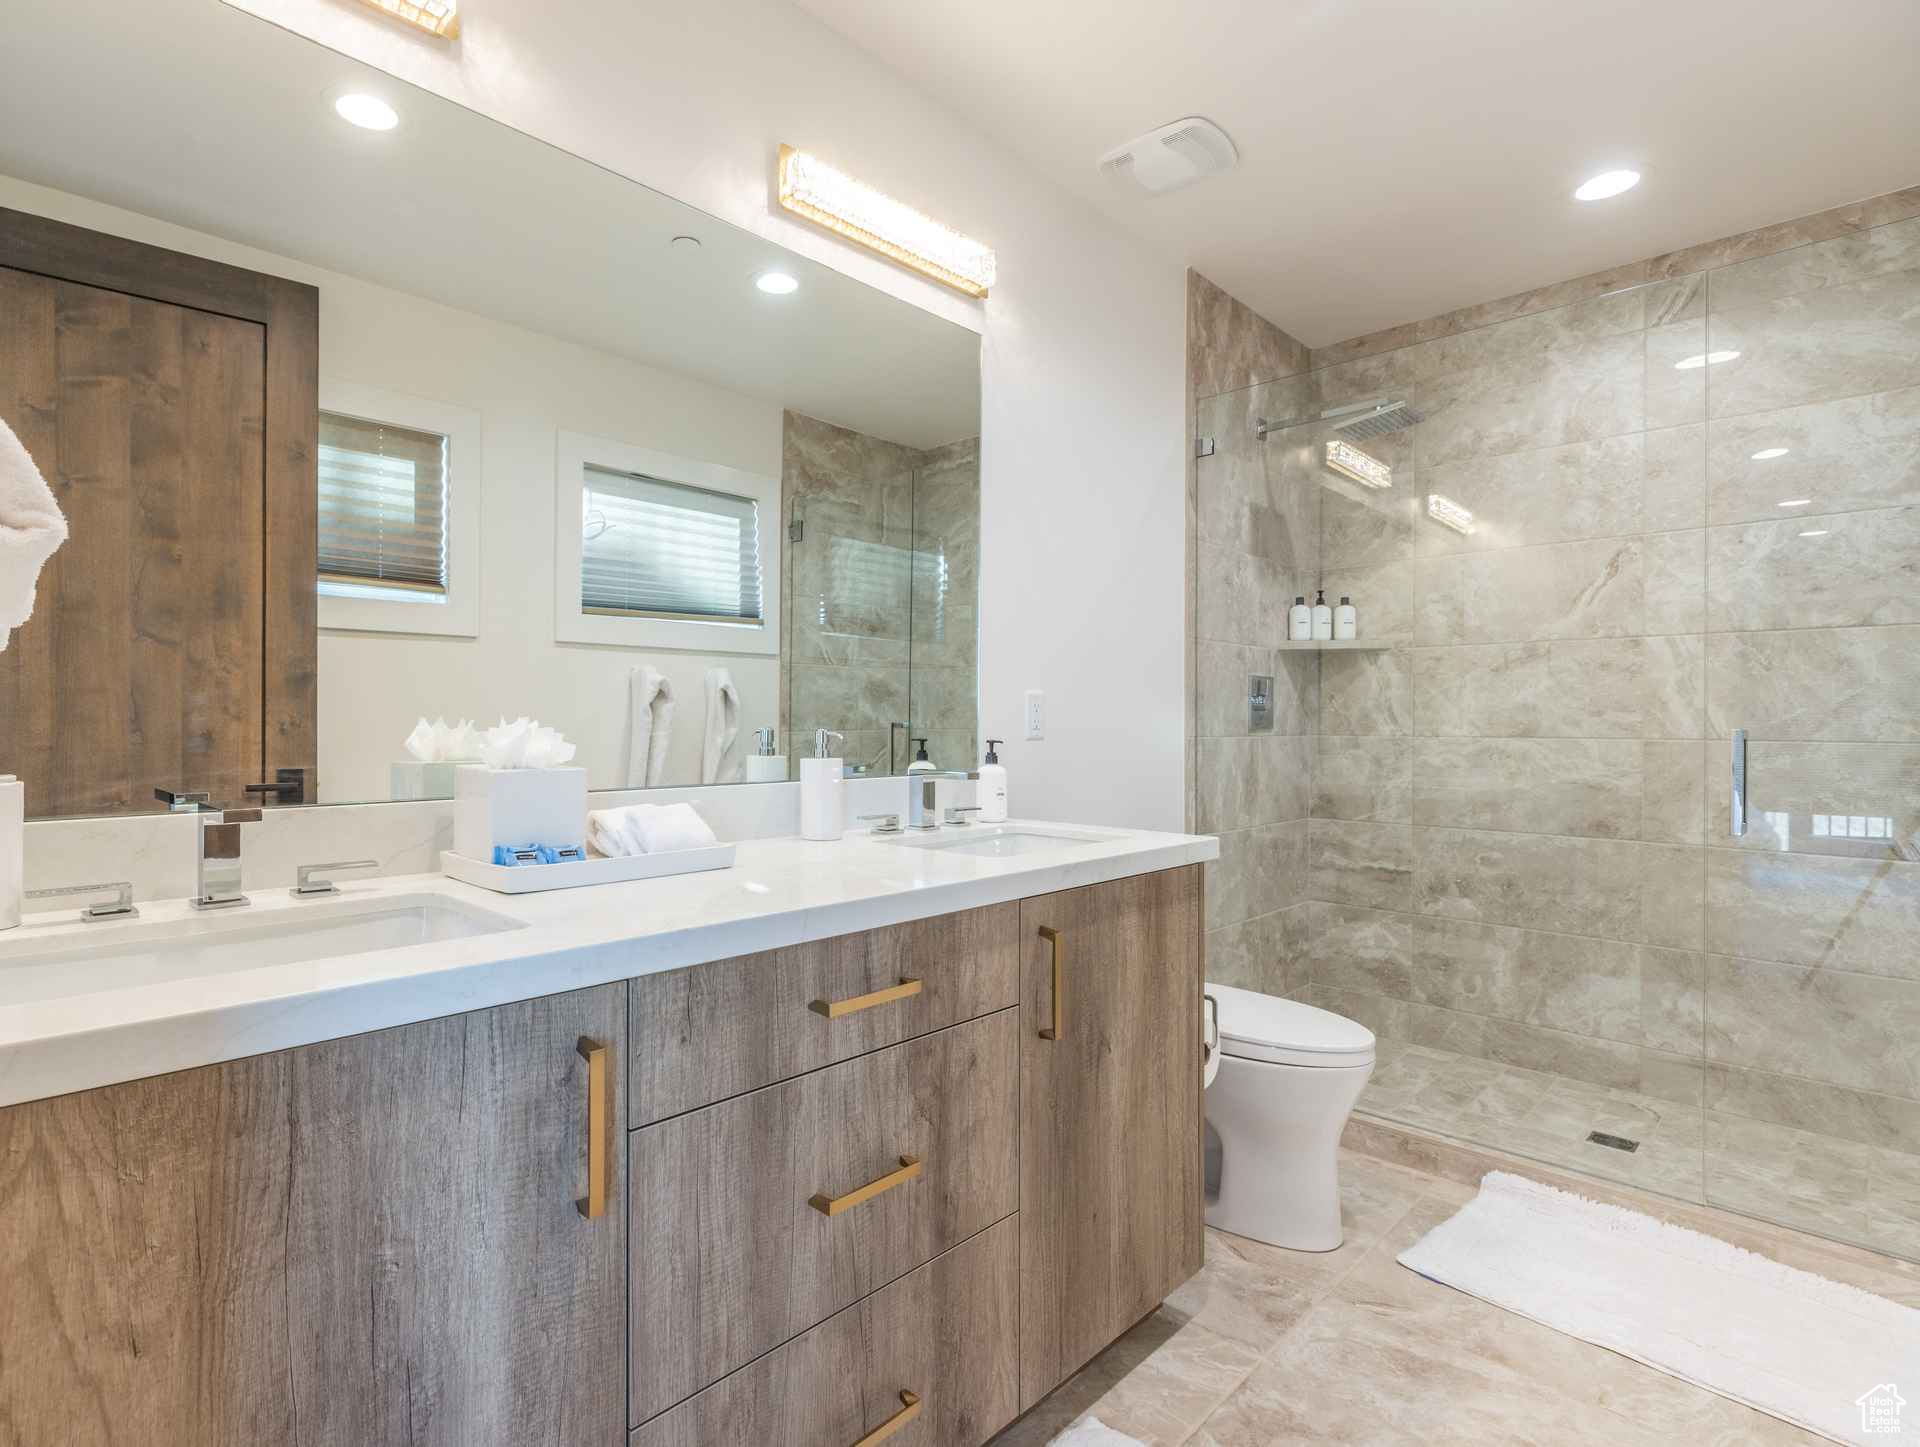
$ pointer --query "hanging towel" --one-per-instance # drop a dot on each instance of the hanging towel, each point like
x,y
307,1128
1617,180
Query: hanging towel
x,y
32,529
652,714
723,729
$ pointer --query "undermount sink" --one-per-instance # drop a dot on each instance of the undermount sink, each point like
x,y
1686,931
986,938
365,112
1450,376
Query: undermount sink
x,y
1000,841
92,957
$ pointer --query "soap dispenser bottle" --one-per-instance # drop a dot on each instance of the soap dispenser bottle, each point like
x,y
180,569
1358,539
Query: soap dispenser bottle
x,y
1322,618
921,763
13,849
993,786
1346,622
1300,620
823,803
764,766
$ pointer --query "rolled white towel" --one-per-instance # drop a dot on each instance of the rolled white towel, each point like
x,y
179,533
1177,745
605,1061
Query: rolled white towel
x,y
664,828
605,835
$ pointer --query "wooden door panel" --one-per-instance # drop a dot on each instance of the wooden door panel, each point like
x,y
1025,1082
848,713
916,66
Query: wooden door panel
x,y
1110,1197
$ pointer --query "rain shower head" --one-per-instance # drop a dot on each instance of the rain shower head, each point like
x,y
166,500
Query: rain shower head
x,y
1356,421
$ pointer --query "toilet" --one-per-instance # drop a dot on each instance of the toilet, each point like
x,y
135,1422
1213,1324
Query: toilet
x,y
1289,1075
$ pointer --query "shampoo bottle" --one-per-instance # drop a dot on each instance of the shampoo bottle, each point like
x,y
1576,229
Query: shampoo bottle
x,y
1300,621
1346,622
823,803
921,763
1322,618
993,786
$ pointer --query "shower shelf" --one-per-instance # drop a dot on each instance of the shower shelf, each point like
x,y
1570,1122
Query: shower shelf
x,y
1351,645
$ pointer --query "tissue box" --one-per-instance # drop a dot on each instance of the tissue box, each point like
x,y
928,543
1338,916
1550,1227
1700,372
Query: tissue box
x,y
516,806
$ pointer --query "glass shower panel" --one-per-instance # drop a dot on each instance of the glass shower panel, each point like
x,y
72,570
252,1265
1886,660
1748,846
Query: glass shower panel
x,y
1812,988
943,628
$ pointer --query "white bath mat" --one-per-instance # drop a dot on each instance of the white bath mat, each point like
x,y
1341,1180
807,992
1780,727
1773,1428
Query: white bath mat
x,y
1828,1357
1090,1432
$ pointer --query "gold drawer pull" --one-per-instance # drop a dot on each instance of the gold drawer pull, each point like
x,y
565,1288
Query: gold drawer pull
x,y
909,1409
833,1205
1058,1028
834,1009
594,1205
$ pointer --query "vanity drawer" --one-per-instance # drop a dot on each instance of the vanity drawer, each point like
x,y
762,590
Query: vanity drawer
x,y
711,1031
947,1333
754,1219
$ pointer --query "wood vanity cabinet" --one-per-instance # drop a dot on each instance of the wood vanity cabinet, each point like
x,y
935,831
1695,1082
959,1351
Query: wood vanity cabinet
x,y
369,1241
1110,1188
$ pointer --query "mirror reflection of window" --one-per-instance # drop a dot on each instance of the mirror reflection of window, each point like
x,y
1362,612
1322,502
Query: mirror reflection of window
x,y
657,549
383,511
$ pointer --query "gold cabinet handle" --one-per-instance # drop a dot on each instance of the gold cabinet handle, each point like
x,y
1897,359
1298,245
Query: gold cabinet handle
x,y
910,1168
909,1409
1058,1029
834,1009
594,1205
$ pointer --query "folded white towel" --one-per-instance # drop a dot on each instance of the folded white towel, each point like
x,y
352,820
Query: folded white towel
x,y
723,729
647,829
32,528
651,710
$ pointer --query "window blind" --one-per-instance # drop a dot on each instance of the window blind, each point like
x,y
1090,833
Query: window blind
x,y
868,586
383,506
658,549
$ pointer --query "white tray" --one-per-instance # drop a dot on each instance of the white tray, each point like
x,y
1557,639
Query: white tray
x,y
534,878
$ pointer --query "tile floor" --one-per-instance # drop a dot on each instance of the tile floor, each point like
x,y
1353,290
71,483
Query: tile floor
x,y
1846,1189
1266,1348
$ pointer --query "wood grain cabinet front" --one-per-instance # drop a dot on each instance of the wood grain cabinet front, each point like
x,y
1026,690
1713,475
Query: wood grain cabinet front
x,y
712,1031
929,1361
754,1219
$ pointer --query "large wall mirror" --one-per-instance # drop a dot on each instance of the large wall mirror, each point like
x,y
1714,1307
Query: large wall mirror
x,y
357,427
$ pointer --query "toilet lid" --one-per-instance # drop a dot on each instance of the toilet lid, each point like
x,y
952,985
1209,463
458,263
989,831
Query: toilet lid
x,y
1286,1032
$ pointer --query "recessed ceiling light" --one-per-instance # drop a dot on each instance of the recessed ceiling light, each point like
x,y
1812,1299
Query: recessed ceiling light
x,y
1703,359
685,243
1767,454
1816,533
367,111
1797,502
1607,183
776,283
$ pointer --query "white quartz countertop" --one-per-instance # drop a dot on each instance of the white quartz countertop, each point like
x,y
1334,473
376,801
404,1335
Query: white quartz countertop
x,y
779,892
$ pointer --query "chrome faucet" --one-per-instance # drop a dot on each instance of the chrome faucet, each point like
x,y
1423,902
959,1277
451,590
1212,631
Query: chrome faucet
x,y
216,877
923,796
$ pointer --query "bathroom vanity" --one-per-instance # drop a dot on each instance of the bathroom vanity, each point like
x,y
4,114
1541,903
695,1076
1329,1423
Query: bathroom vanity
x,y
850,1140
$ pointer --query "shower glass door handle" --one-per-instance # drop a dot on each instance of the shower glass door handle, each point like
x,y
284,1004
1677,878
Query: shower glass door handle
x,y
1739,822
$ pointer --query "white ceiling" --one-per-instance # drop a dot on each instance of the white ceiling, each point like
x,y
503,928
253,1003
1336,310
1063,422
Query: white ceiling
x,y
201,115
1400,158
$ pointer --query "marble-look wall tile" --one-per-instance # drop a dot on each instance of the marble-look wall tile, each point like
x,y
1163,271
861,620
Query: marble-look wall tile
x,y
1809,1105
1878,252
1269,953
1842,684
1257,496
1382,1014
1858,800
1361,863
1544,495
1604,588
1545,786
859,698
1221,674
1260,779
1363,779
1229,345
1842,456
1813,571
1259,871
1243,599
1803,909
1366,693
1601,1062
1674,480
1827,1025
1673,786
1573,393
1613,688
1383,599
1572,886
1362,527
1841,341
1675,379
1362,949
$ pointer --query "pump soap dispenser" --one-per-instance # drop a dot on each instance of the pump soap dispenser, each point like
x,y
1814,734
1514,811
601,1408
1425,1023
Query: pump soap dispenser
x,y
764,766
921,763
823,803
993,786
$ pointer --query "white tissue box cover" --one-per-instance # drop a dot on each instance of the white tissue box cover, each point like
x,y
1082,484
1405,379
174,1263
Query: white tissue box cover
x,y
517,806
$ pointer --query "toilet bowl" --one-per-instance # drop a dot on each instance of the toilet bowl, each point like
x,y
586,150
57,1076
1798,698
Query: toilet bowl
x,y
1289,1076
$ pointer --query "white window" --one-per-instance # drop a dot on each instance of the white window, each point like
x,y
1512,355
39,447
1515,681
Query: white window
x,y
657,551
399,513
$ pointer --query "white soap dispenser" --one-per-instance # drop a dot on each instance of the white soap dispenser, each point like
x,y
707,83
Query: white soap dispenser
x,y
764,766
992,794
1346,622
13,850
823,802
921,763
1322,618
1300,621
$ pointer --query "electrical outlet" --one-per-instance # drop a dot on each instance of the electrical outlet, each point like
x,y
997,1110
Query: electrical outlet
x,y
1036,714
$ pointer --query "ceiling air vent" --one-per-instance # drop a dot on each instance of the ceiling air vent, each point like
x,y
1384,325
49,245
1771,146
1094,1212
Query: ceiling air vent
x,y
1175,155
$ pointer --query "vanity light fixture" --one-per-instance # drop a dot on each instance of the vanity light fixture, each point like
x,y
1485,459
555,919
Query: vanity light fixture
x,y
1703,359
439,18
1364,468
1607,183
1815,533
776,283
1448,513
811,188
1767,454
368,112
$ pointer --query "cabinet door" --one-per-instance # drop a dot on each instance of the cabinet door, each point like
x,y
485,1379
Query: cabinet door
x,y
444,1285
1110,1177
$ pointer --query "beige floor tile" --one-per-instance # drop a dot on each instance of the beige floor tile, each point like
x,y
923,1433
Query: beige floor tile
x,y
1248,1292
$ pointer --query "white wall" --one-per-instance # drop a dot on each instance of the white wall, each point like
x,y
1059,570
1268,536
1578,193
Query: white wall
x,y
1083,370
526,388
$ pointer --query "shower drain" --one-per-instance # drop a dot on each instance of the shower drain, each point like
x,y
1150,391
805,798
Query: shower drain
x,y
1612,1142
